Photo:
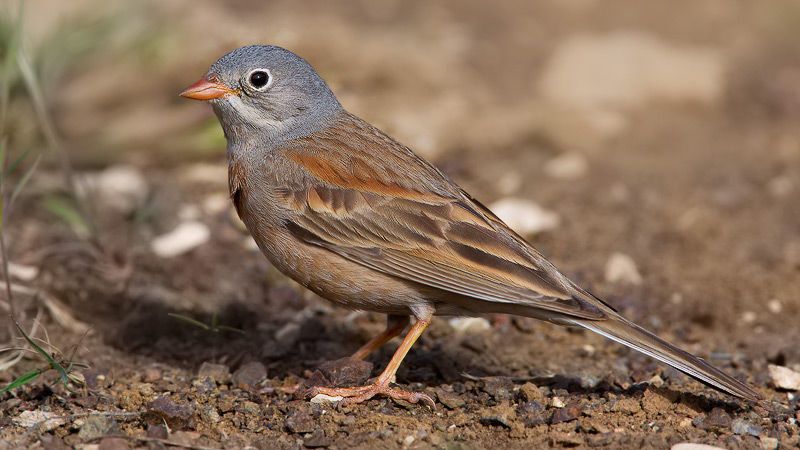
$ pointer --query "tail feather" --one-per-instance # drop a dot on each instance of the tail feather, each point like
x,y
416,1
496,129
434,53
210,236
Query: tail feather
x,y
627,333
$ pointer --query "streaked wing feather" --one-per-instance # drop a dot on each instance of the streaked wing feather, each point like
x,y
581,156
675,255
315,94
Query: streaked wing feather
x,y
431,234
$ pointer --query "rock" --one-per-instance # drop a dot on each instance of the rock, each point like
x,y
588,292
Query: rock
x,y
151,374
113,443
96,426
300,422
530,392
449,399
716,420
626,69
532,413
322,398
220,373
470,324
22,272
176,415
346,371
317,440
498,387
525,217
567,166
557,402
121,188
185,237
51,442
784,378
45,420
621,268
769,443
693,446
775,306
249,375
743,427
566,414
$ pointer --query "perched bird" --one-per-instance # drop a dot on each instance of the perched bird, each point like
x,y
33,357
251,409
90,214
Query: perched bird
x,y
358,218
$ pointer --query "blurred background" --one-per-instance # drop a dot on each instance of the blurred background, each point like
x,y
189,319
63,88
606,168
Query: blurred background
x,y
650,149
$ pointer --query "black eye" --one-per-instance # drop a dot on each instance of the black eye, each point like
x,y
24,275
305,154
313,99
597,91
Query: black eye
x,y
259,79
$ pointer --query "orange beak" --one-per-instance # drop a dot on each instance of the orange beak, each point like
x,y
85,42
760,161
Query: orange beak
x,y
207,90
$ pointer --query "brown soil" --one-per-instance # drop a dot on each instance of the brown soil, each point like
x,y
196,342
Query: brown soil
x,y
695,194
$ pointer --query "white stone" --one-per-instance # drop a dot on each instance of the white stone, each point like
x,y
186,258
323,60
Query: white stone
x,y
784,377
621,268
470,324
524,216
749,317
625,69
216,203
22,272
45,419
558,403
567,166
781,186
122,188
185,237
322,398
775,306
694,446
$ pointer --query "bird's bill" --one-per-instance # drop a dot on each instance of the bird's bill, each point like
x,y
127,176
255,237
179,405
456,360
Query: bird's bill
x,y
206,90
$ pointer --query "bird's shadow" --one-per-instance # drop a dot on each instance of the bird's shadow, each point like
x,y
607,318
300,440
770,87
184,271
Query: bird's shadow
x,y
239,334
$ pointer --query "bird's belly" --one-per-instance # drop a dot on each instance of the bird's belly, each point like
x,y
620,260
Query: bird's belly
x,y
337,279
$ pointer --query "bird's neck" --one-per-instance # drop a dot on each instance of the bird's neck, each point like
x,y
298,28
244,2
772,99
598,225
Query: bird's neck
x,y
248,142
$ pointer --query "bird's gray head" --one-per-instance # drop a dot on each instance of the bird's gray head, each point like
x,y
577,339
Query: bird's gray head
x,y
265,92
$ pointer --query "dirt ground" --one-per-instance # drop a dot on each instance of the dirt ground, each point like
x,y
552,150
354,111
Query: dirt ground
x,y
694,177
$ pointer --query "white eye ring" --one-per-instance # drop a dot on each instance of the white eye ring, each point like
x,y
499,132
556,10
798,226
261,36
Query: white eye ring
x,y
257,76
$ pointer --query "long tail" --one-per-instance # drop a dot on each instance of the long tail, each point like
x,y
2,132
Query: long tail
x,y
621,330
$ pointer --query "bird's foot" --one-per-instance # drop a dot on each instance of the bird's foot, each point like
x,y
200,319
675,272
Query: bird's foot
x,y
358,394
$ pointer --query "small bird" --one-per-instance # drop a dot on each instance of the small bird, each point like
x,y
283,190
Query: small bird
x,y
360,219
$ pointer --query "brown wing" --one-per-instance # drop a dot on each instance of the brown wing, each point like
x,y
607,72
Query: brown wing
x,y
400,216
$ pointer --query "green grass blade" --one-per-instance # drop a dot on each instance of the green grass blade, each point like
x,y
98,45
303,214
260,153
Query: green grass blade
x,y
190,321
62,373
23,181
22,380
65,211
14,164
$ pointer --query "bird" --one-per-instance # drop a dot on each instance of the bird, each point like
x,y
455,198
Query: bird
x,y
360,219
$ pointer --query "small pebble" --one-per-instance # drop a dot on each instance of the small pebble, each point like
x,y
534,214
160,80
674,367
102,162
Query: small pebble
x,y
185,237
743,427
470,324
749,317
524,216
566,414
693,446
322,398
96,426
775,306
769,443
249,375
220,373
45,420
622,269
300,422
567,166
784,377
